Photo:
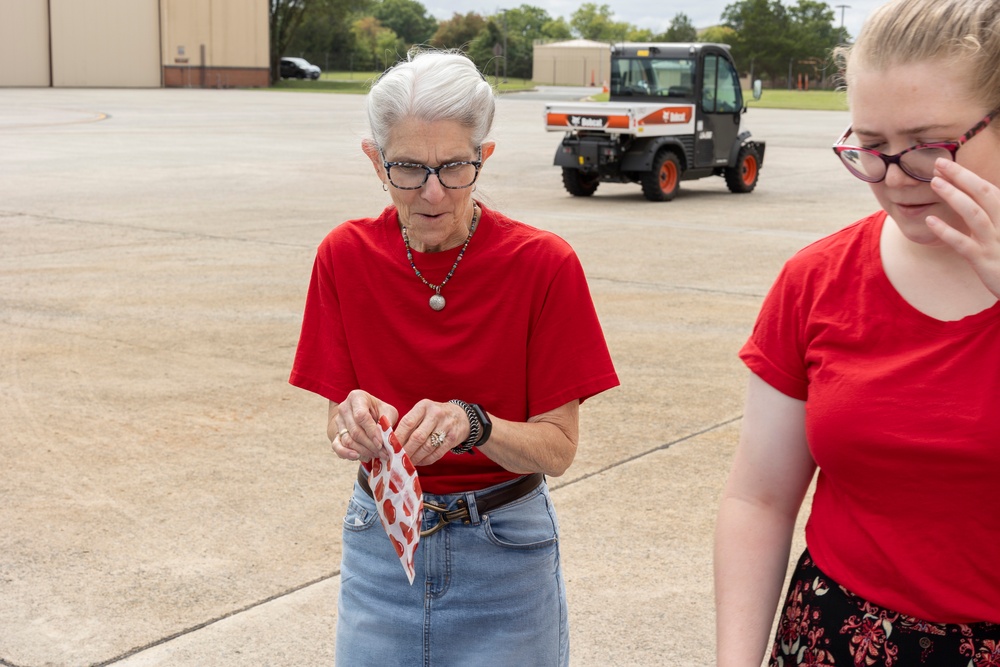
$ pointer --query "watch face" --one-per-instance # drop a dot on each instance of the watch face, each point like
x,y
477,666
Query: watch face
x,y
485,425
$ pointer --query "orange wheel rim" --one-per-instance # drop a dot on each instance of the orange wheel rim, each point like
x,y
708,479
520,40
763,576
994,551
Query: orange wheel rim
x,y
668,176
749,170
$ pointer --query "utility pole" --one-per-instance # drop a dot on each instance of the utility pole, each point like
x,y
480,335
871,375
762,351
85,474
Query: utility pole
x,y
505,46
842,8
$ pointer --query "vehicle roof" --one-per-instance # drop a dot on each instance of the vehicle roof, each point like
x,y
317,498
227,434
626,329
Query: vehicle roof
x,y
664,49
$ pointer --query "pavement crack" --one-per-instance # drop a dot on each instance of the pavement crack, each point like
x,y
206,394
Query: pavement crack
x,y
658,448
212,621
674,288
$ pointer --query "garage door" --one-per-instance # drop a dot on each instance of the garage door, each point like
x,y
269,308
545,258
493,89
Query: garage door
x,y
105,43
24,43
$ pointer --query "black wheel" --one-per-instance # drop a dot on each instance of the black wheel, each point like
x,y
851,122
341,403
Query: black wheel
x,y
663,182
743,177
580,183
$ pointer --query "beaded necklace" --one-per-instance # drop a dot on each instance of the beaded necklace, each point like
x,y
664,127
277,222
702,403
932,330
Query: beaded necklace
x,y
437,301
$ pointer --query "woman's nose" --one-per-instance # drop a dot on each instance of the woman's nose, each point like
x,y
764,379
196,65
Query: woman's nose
x,y
432,190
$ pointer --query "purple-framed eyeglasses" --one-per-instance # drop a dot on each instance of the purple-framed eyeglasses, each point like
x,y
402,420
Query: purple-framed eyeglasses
x,y
916,162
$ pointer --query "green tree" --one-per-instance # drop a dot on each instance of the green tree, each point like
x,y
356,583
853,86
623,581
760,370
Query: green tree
x,y
814,36
458,31
596,22
681,30
407,18
284,18
643,35
518,28
376,46
763,41
325,36
718,34
481,49
557,29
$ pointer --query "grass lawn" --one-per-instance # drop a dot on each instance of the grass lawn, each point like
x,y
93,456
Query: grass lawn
x,y
821,100
358,82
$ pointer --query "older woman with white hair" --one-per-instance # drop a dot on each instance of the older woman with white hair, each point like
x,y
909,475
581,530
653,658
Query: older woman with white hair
x,y
476,336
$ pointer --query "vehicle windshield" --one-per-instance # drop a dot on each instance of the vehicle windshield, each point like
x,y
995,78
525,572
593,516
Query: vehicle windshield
x,y
660,77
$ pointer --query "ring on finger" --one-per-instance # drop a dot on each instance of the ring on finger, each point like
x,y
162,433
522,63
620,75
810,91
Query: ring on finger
x,y
436,439
341,433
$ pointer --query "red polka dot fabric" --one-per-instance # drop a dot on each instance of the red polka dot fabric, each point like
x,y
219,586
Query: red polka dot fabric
x,y
397,493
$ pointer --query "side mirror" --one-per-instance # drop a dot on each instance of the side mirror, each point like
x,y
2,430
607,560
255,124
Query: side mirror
x,y
758,89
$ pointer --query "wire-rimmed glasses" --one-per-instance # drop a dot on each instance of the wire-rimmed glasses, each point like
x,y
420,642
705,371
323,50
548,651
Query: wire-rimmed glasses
x,y
453,175
916,162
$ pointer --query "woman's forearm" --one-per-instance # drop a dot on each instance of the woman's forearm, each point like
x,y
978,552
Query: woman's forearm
x,y
545,444
752,544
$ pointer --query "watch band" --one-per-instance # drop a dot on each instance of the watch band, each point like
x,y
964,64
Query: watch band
x,y
479,427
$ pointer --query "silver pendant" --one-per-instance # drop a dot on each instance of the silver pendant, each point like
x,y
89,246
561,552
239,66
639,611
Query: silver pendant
x,y
437,302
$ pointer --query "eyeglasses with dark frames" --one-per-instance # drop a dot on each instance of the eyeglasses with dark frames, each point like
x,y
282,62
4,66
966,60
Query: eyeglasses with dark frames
x,y
454,175
916,162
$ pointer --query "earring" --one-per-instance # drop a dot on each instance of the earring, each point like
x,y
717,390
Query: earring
x,y
385,188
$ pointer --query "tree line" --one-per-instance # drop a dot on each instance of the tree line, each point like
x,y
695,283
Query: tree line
x,y
768,39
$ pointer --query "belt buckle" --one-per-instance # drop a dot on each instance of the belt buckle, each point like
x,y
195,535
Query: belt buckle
x,y
446,516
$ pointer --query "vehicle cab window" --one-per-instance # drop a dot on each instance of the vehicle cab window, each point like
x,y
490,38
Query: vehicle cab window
x,y
721,93
657,77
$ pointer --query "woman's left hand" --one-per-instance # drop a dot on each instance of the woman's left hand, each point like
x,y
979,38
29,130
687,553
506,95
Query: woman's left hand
x,y
430,429
978,202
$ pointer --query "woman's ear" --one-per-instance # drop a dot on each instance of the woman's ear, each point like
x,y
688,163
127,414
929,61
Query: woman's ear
x,y
488,148
375,155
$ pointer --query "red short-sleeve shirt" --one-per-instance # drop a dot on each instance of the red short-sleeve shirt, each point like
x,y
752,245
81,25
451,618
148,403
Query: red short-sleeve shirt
x,y
519,334
903,420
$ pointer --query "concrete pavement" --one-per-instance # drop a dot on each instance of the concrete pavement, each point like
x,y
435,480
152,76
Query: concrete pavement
x,y
168,499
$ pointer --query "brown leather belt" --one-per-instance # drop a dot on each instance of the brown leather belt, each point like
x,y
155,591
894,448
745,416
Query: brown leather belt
x,y
485,502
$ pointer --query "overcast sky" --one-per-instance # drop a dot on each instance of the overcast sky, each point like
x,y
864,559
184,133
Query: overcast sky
x,y
647,13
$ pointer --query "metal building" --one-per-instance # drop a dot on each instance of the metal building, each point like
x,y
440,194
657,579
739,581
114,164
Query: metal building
x,y
134,43
577,62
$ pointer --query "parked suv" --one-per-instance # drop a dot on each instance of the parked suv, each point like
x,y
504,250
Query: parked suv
x,y
298,68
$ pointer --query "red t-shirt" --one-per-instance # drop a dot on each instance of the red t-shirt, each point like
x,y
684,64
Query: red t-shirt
x,y
903,420
519,334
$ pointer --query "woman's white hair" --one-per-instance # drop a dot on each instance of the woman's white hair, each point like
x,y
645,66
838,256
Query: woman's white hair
x,y
432,85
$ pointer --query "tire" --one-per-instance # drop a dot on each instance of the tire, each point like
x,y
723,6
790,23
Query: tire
x,y
663,182
743,177
579,183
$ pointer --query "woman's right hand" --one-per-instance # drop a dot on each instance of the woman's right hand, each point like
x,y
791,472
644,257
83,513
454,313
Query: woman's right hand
x,y
352,426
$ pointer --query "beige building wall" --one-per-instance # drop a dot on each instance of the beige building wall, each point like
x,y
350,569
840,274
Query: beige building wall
x,y
24,43
217,43
574,63
134,43
106,43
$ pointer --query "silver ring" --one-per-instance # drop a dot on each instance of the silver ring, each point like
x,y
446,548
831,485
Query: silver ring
x,y
436,439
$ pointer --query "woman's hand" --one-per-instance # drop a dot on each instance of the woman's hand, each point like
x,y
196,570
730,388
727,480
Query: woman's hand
x,y
978,202
352,426
430,429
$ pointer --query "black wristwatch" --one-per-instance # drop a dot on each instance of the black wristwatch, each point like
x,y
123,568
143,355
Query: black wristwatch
x,y
480,427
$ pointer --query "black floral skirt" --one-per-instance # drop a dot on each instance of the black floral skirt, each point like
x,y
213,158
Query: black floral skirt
x,y
825,625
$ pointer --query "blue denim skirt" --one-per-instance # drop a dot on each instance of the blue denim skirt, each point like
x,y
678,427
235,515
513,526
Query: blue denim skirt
x,y
489,592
